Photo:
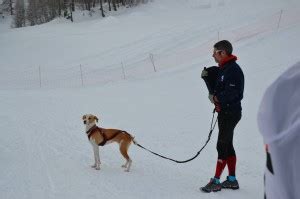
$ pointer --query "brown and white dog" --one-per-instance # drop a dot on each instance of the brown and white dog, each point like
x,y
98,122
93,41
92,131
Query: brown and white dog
x,y
101,136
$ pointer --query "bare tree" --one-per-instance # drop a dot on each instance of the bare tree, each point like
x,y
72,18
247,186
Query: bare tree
x,y
73,5
42,11
53,8
101,8
31,13
114,5
39,12
7,6
109,6
19,18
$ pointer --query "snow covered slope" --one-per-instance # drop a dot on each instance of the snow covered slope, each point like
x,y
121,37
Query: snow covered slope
x,y
44,151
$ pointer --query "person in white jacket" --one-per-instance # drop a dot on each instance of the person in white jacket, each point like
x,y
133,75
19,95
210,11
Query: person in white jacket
x,y
279,123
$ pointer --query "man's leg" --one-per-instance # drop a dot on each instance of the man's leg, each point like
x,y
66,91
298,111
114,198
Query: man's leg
x,y
231,181
214,184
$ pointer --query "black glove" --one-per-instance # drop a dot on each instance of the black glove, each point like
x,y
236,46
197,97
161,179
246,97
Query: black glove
x,y
204,73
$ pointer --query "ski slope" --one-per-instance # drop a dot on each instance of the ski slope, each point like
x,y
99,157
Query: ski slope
x,y
44,151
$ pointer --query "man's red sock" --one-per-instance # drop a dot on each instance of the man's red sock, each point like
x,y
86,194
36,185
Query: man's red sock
x,y
220,167
231,163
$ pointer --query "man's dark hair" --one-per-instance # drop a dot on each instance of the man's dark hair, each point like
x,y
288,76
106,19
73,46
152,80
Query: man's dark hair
x,y
224,45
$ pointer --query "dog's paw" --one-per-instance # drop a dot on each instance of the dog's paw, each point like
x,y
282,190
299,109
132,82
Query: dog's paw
x,y
95,165
126,170
97,168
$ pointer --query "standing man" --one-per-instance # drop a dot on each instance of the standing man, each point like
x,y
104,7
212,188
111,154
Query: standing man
x,y
226,94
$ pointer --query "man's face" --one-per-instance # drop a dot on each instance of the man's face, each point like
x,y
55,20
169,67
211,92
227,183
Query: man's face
x,y
218,55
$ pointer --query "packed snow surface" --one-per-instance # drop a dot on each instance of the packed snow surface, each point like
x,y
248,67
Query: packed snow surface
x,y
52,74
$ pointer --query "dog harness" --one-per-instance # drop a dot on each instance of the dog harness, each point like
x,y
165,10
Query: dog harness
x,y
100,130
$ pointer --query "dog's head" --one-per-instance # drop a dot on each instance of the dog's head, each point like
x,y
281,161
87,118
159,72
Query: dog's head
x,y
89,119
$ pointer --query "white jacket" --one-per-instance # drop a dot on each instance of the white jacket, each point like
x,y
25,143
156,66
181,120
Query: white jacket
x,y
279,124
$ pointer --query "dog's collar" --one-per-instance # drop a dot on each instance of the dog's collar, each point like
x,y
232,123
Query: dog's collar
x,y
91,129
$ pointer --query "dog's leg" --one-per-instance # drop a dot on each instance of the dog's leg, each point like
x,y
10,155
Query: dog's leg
x,y
95,159
128,163
123,149
96,156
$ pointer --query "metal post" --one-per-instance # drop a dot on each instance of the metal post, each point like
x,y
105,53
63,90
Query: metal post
x,y
81,75
152,60
281,11
123,70
40,76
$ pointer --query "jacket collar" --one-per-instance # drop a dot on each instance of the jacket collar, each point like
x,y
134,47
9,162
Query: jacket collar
x,y
227,59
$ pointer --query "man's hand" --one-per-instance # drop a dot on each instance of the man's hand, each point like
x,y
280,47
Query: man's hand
x,y
215,99
204,73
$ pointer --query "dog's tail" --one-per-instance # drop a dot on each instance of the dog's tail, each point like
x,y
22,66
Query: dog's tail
x,y
132,138
134,141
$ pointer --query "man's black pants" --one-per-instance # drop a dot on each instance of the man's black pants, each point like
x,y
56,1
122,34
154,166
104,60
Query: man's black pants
x,y
227,121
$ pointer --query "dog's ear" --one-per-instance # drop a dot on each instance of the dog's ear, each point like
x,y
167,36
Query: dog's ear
x,y
96,119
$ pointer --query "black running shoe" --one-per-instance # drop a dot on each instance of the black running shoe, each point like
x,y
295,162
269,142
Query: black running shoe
x,y
230,184
213,185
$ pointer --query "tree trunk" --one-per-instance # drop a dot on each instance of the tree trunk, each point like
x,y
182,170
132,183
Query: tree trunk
x,y
11,7
71,12
88,5
109,7
101,8
114,5
59,8
19,18
73,5
123,2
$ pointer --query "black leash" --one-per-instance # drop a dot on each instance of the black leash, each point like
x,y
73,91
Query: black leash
x,y
212,127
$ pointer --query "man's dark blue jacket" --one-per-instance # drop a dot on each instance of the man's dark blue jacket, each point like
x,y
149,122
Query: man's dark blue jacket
x,y
229,87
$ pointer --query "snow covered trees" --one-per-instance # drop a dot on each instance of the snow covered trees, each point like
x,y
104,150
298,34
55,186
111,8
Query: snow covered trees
x,y
39,12
33,12
7,6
